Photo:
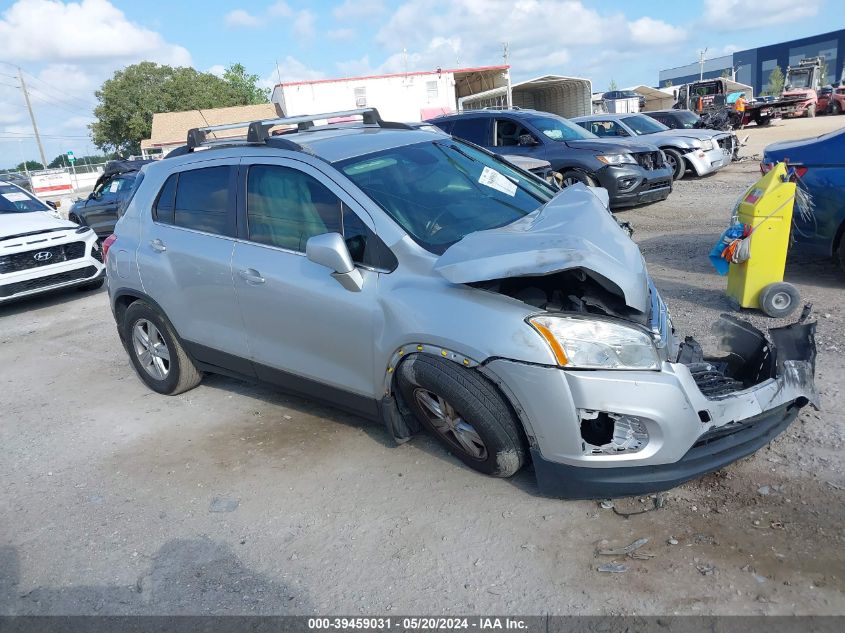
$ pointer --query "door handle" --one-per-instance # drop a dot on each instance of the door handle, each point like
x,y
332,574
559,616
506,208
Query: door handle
x,y
158,246
251,276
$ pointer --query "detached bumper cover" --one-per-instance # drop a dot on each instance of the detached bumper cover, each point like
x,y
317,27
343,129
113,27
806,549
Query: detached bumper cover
x,y
689,433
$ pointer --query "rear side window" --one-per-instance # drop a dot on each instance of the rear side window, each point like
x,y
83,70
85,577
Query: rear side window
x,y
202,201
474,130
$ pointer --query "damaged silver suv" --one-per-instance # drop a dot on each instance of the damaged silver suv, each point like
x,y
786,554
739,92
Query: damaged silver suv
x,y
416,279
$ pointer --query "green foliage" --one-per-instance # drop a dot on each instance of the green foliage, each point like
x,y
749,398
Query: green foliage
x,y
612,86
62,161
727,74
776,79
667,83
823,81
130,98
245,86
31,165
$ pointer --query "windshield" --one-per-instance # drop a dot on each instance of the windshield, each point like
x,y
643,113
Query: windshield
x,y
16,200
559,129
687,119
641,124
440,191
798,79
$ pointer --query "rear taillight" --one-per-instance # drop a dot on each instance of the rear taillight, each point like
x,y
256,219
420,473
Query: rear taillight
x,y
107,245
799,170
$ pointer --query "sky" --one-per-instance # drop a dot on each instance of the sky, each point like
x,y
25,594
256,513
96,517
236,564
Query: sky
x,y
66,49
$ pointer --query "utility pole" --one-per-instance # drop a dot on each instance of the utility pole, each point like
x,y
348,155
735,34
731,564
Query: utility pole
x,y
508,75
701,64
32,118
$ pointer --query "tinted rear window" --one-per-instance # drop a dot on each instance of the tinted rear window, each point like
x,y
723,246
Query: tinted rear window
x,y
472,129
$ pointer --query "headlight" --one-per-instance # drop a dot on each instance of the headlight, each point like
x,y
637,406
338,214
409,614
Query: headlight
x,y
706,145
617,159
595,344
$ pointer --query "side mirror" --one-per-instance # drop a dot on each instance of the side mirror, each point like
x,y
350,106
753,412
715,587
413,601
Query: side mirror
x,y
330,250
50,203
526,140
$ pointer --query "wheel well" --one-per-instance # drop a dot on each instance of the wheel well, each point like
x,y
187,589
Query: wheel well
x,y
837,241
508,397
121,304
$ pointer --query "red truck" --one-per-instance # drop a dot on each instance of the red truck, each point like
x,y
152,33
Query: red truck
x,y
799,98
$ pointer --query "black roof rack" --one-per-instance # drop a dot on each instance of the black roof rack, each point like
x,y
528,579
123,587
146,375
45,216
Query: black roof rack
x,y
259,131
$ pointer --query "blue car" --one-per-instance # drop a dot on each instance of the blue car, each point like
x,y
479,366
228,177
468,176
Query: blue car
x,y
820,166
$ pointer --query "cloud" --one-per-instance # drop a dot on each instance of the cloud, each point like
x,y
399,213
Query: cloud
x,y
279,10
736,15
650,31
291,69
48,30
356,67
240,18
304,23
340,34
355,9
217,70
471,33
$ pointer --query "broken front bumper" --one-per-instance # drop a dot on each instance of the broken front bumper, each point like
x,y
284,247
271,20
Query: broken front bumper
x,y
674,431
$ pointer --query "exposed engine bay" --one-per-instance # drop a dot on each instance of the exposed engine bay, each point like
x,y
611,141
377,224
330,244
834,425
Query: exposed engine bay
x,y
575,290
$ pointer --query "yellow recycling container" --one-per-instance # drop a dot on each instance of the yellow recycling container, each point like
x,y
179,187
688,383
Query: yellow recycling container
x,y
767,208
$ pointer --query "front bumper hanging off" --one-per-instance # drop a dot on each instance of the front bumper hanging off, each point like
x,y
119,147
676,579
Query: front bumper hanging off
x,y
697,421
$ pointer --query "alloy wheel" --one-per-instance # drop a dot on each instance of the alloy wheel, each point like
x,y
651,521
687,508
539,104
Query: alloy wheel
x,y
448,423
151,349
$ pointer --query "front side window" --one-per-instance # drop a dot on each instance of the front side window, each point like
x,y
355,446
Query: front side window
x,y
508,133
642,124
559,129
440,191
16,200
605,128
285,207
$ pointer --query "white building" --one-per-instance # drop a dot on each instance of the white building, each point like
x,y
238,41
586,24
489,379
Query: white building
x,y
413,96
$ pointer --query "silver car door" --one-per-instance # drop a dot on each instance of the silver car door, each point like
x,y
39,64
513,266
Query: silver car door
x,y
306,331
185,254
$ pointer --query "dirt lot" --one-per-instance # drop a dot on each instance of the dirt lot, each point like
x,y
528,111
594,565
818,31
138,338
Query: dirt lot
x,y
234,498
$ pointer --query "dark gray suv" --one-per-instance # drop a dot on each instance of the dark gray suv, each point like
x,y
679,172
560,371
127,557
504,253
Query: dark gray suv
x,y
414,279
632,170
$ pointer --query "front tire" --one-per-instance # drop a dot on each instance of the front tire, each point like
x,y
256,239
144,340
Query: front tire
x,y
572,177
676,162
835,108
156,353
811,111
465,412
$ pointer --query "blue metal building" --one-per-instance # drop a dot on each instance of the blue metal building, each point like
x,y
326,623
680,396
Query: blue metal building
x,y
753,66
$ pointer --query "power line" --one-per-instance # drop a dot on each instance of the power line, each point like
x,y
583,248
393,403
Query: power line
x,y
58,93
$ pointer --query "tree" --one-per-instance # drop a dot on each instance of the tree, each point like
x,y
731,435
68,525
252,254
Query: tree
x,y
61,160
30,165
776,80
130,98
245,86
823,75
667,83
612,86
727,73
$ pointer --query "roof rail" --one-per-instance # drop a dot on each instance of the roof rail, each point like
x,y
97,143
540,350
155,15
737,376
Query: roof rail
x,y
259,131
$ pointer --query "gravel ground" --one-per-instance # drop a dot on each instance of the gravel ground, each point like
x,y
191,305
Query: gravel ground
x,y
234,498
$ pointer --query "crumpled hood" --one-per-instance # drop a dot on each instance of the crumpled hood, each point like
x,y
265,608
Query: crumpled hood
x,y
30,222
574,230
698,134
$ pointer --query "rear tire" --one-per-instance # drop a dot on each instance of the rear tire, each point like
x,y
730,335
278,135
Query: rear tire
x,y
779,300
465,412
156,353
840,254
676,162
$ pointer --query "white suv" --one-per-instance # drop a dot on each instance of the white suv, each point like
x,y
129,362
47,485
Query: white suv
x,y
39,252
